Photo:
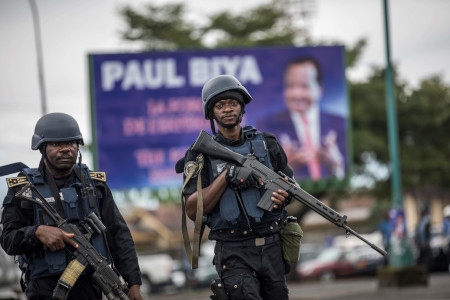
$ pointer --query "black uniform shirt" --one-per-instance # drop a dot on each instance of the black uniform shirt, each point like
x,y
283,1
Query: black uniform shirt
x,y
18,230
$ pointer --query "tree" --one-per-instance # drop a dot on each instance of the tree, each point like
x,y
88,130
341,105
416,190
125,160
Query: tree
x,y
424,121
369,127
423,117
160,28
165,28
264,26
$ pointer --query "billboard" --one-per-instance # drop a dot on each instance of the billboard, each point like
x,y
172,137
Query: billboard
x,y
147,106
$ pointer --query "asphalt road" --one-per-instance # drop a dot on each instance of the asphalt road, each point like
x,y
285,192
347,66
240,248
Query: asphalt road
x,y
349,289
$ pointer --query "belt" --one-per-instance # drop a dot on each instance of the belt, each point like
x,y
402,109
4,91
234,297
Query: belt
x,y
261,241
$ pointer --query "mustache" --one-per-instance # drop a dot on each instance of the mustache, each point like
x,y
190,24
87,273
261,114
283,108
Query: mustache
x,y
65,156
228,115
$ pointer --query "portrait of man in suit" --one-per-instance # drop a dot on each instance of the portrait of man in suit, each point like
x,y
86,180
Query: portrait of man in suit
x,y
312,137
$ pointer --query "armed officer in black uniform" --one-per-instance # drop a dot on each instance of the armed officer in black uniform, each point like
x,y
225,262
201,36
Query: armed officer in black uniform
x,y
42,251
248,253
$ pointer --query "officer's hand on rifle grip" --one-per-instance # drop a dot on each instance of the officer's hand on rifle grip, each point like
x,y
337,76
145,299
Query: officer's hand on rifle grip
x,y
54,238
280,198
240,178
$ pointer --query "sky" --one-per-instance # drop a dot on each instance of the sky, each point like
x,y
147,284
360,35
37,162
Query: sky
x,y
70,30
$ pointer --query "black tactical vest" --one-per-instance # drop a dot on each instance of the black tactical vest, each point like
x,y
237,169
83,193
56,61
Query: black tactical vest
x,y
76,208
228,214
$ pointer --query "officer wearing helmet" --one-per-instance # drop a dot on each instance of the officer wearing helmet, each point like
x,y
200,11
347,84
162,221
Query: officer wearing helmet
x,y
248,253
74,191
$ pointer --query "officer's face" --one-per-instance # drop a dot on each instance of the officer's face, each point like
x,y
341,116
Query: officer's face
x,y
301,89
61,156
227,111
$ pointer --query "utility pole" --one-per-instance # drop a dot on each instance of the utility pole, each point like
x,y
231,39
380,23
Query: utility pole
x,y
399,252
40,64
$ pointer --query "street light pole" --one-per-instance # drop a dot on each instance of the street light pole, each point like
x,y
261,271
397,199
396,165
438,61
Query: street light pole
x,y
37,35
400,253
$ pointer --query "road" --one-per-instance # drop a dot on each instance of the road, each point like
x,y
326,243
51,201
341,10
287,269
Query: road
x,y
348,289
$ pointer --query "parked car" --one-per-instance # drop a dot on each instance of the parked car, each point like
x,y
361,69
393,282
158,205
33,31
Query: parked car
x,y
336,261
200,277
156,272
309,251
329,264
366,260
204,274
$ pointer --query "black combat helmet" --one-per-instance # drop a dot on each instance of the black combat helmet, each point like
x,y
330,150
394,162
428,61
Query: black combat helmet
x,y
220,84
56,127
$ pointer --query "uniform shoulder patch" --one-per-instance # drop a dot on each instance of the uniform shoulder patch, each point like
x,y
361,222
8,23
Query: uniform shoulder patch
x,y
15,181
101,176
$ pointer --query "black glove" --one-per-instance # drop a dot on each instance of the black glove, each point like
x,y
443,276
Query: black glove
x,y
240,178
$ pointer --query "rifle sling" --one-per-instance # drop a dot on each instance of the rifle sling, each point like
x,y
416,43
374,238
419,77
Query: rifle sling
x,y
55,193
193,253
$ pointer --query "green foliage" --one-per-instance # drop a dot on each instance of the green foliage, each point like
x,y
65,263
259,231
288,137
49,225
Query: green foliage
x,y
263,26
424,123
368,108
160,27
423,120
165,28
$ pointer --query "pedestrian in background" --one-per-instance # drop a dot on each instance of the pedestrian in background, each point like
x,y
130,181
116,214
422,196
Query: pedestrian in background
x,y
446,231
385,227
423,238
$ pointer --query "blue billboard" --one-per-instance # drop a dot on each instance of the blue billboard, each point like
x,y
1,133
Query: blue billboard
x,y
147,106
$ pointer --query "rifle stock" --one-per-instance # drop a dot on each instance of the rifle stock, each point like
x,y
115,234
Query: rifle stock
x,y
272,182
85,255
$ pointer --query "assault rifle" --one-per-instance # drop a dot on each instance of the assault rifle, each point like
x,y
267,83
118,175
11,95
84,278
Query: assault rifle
x,y
85,255
273,182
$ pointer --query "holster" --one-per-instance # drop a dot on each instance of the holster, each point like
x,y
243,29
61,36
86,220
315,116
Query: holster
x,y
218,290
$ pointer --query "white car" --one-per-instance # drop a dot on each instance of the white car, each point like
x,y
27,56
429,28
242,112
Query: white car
x,y
184,276
156,272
